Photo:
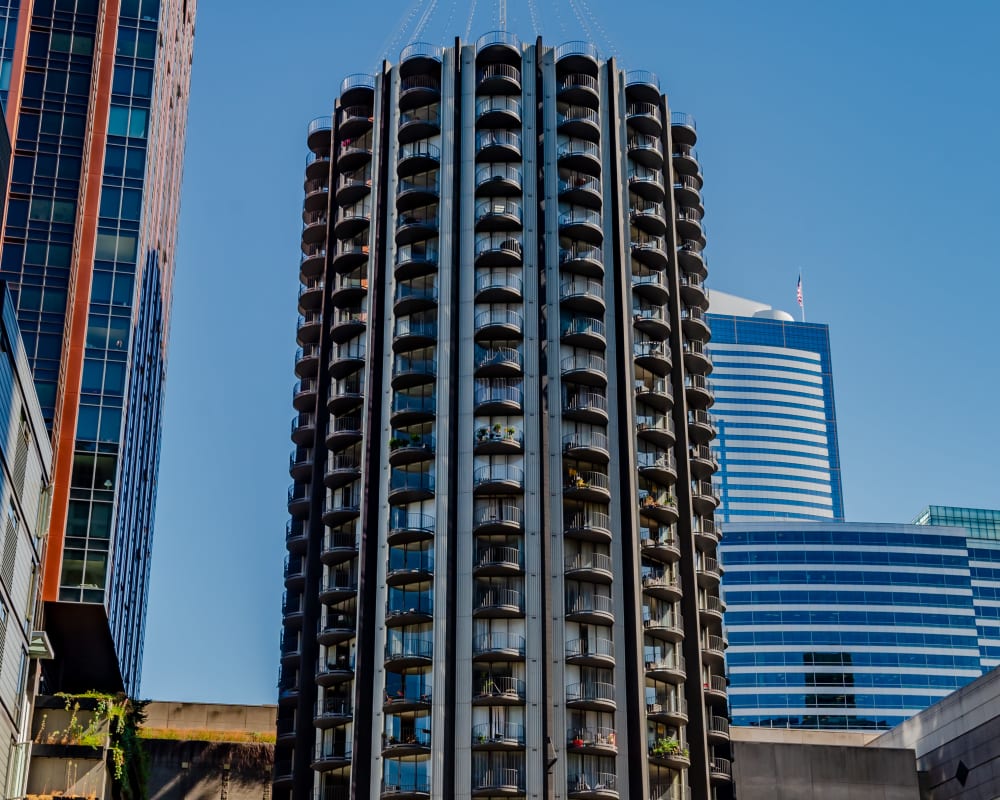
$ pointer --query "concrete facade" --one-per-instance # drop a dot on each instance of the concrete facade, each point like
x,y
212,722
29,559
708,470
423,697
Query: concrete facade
x,y
957,743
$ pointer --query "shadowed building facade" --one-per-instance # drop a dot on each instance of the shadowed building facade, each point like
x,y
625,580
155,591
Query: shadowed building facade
x,y
95,93
502,577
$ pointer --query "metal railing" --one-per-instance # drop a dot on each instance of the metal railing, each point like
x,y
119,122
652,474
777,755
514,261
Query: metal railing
x,y
587,479
497,391
585,782
409,647
594,690
494,473
585,439
497,512
510,733
589,604
487,643
588,561
589,520
499,556
578,363
495,356
498,597
498,102
590,647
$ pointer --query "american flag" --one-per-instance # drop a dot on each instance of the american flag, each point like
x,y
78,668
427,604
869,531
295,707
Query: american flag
x,y
798,291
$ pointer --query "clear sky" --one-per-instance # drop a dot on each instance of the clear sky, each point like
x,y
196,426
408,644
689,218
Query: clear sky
x,y
857,141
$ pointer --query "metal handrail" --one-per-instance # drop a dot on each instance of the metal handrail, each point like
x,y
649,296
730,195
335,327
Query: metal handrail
x,y
498,597
642,77
589,520
324,123
498,555
497,37
574,147
498,102
493,642
357,80
590,361
594,690
493,207
499,316
498,472
587,479
498,512
577,48
505,71
590,647
595,561
496,136
416,49
577,80
590,603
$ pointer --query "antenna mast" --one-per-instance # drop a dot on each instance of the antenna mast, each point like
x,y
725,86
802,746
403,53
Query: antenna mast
x,y
503,14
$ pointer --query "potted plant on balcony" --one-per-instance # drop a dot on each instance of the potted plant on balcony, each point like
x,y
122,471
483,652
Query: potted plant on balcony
x,y
577,741
416,440
481,433
496,430
510,431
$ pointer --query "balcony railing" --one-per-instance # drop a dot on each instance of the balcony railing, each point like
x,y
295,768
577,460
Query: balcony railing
x,y
508,733
500,642
604,648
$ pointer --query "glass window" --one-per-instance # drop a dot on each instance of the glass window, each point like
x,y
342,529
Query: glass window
x,y
118,121
137,123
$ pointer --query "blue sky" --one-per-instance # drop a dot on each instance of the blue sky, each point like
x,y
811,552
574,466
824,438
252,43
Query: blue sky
x,y
854,140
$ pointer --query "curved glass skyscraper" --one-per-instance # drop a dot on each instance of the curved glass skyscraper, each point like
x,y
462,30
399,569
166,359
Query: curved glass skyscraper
x,y
777,426
502,574
846,625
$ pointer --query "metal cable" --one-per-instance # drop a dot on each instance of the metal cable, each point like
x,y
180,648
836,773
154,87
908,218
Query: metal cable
x,y
468,24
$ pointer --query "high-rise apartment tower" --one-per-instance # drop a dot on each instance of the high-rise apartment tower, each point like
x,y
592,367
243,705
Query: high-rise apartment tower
x,y
502,577
95,93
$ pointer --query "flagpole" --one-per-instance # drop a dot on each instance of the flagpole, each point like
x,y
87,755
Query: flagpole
x,y
802,303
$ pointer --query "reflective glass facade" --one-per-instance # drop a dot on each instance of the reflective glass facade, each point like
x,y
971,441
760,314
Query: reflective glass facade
x,y
846,625
983,527
94,257
777,442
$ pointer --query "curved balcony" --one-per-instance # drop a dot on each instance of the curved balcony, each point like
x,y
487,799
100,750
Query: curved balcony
x,y
585,295
406,701
580,155
659,544
591,652
411,409
578,88
499,323
337,587
584,259
592,567
587,485
701,426
341,469
498,79
650,251
585,406
498,561
582,191
699,391
502,646
588,369
579,122
499,690
416,608
498,479
408,652
497,517
352,220
716,689
295,572
356,120
493,396
311,295
350,254
308,327
579,55
411,333
592,696
415,260
338,548
498,111
421,122
657,429
498,250
586,332
668,669
349,289
693,290
591,609
347,323
339,671
650,285
497,440
695,323
331,756
498,736
709,571
707,533
499,782
498,45
661,584
696,357
404,449
711,610
498,145
314,226
498,362
416,192
499,180
354,154
651,321
713,649
418,90
687,191
417,224
587,445
592,741
343,431
409,566
652,355
416,157
683,128
408,371
667,709
647,183
346,358
340,510
658,395
718,728
307,361
356,88
659,507
498,214
646,118
660,467
692,259
593,786
667,627
409,527
319,134
304,429
592,526
410,487
646,149
497,602
296,535
345,395
720,770
313,261
419,56
670,752
685,160
410,298
582,224
642,85
318,165
648,217
689,225
316,195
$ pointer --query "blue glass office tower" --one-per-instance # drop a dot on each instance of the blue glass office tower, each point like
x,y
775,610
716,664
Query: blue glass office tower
x,y
983,528
777,426
846,625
